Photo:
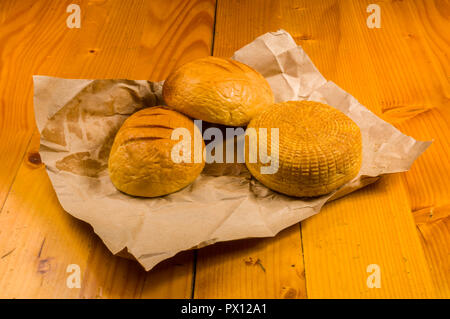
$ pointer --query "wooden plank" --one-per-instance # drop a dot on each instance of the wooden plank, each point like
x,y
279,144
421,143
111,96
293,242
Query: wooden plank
x,y
401,82
175,32
252,268
29,47
422,110
433,224
12,150
38,240
227,270
394,72
399,72
372,226
13,142
429,192
118,39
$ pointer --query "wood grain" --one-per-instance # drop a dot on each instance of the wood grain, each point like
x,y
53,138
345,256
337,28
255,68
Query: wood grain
x,y
400,72
226,270
349,235
252,268
434,227
118,39
40,240
404,82
12,151
414,96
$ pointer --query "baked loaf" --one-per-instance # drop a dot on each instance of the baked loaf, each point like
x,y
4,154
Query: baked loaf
x,y
217,90
319,148
140,162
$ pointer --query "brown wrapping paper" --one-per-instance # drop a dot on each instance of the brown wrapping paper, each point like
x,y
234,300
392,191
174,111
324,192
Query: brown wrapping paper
x,y
78,120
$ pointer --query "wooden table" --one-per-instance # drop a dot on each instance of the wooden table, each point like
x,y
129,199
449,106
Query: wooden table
x,y
399,71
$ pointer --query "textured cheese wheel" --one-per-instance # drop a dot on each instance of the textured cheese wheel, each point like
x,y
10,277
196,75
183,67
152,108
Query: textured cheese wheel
x,y
319,148
217,90
140,161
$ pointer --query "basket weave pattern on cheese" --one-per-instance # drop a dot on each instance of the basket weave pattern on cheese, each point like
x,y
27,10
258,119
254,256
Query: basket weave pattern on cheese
x,y
319,148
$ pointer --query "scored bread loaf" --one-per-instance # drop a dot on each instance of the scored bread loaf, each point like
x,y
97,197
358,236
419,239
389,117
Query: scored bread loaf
x,y
319,148
140,161
217,90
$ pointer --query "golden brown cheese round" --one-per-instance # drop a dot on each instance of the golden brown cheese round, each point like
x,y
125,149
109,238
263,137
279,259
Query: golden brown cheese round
x,y
140,162
217,90
319,148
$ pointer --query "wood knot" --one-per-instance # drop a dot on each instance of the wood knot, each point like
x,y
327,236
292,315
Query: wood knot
x,y
304,37
34,158
44,266
250,261
288,293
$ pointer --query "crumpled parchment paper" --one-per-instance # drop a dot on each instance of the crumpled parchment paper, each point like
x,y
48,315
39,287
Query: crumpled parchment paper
x,y
78,120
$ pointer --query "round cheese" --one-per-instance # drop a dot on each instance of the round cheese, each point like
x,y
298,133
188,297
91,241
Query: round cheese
x,y
318,148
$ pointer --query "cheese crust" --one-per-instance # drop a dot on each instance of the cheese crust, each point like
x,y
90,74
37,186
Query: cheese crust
x,y
319,148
